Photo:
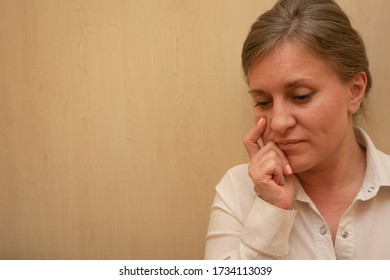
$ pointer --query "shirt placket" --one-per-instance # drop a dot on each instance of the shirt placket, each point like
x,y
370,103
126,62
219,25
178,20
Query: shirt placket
x,y
323,238
345,238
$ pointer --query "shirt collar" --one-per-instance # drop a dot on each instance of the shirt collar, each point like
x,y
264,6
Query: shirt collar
x,y
377,170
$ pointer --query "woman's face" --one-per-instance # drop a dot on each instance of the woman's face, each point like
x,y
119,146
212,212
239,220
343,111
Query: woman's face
x,y
307,108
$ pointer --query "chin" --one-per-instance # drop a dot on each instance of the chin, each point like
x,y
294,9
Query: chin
x,y
299,164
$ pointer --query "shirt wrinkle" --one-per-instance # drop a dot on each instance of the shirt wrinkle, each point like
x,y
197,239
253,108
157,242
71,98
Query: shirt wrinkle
x,y
243,226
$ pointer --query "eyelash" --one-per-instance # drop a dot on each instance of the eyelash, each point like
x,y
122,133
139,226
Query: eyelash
x,y
263,104
299,99
303,98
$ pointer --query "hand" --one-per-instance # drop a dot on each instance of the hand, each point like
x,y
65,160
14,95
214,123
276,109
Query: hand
x,y
269,169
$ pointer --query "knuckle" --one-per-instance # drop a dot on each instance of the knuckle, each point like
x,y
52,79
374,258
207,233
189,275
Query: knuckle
x,y
255,175
273,153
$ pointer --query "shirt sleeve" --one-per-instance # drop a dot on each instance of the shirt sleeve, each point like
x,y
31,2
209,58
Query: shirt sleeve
x,y
243,226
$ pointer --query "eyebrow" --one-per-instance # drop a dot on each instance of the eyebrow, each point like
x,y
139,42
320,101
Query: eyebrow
x,y
289,85
256,91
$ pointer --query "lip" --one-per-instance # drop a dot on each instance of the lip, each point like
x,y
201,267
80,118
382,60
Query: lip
x,y
287,145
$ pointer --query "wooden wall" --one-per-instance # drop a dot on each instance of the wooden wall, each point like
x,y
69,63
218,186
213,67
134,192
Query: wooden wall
x,y
118,117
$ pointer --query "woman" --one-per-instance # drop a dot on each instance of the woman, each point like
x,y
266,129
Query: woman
x,y
316,188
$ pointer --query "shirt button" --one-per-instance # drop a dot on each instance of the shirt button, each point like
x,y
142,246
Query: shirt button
x,y
345,234
371,189
323,230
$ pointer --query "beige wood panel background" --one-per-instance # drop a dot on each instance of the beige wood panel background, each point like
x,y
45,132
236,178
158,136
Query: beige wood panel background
x,y
119,117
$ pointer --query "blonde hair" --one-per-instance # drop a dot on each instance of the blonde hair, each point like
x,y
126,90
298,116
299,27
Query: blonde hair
x,y
319,25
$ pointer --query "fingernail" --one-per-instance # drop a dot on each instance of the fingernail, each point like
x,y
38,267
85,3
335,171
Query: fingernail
x,y
289,169
260,121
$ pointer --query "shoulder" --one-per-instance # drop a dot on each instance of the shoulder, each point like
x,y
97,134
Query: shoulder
x,y
385,158
237,174
240,170
371,151
236,182
382,164
378,163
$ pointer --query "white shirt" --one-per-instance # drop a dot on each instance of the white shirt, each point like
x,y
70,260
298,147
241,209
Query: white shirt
x,y
243,226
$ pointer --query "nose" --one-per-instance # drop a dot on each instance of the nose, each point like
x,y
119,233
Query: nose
x,y
282,117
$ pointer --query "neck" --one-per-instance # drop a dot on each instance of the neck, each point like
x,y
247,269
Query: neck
x,y
343,171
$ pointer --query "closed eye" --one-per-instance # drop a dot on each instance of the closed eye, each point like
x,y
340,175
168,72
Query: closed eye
x,y
263,104
301,99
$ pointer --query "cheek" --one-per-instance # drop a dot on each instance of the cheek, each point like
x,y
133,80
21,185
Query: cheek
x,y
323,122
328,115
257,115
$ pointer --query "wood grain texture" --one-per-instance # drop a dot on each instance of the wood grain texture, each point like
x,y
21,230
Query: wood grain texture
x,y
118,117
372,21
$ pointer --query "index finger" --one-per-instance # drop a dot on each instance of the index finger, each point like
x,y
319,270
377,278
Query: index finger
x,y
251,139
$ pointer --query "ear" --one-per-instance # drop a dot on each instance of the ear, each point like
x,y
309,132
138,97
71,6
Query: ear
x,y
357,91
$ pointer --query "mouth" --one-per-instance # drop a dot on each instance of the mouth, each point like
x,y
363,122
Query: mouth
x,y
288,145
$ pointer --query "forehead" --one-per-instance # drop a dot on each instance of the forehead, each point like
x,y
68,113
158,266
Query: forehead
x,y
287,63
